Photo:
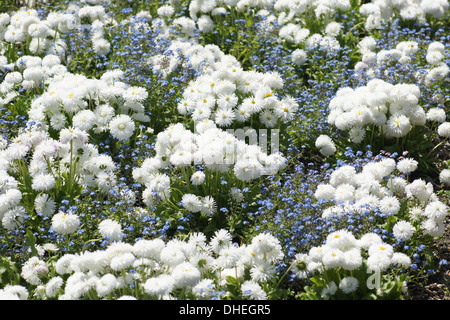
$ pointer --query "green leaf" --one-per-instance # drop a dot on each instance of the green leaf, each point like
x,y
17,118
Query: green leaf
x,y
31,242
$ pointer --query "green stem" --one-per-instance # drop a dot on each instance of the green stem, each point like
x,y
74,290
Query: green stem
x,y
284,275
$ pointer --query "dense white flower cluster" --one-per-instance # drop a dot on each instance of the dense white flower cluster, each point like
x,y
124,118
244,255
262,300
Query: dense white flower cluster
x,y
105,104
160,267
28,72
59,194
290,10
50,160
343,250
67,94
394,109
380,11
224,92
229,94
33,270
14,292
202,58
216,149
44,34
401,54
297,35
98,19
379,187
65,223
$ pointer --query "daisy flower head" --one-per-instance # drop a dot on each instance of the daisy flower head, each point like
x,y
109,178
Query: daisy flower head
x,y
325,145
344,192
43,182
382,248
122,127
221,239
252,290
110,229
205,289
76,135
191,202
349,284
284,110
398,185
407,165
378,262
106,284
103,114
227,101
444,177
341,239
416,213
329,290
14,217
144,248
357,134
53,286
186,275
267,247
433,228
332,258
401,259
45,205
386,166
352,259
333,28
420,190
224,117
38,30
436,210
247,169
198,178
33,269
165,11
84,120
10,199
243,112
208,206
444,129
369,239
201,112
403,230
434,57
262,271
160,285
389,205
58,121
398,125
135,94
268,118
122,261
436,115
65,223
